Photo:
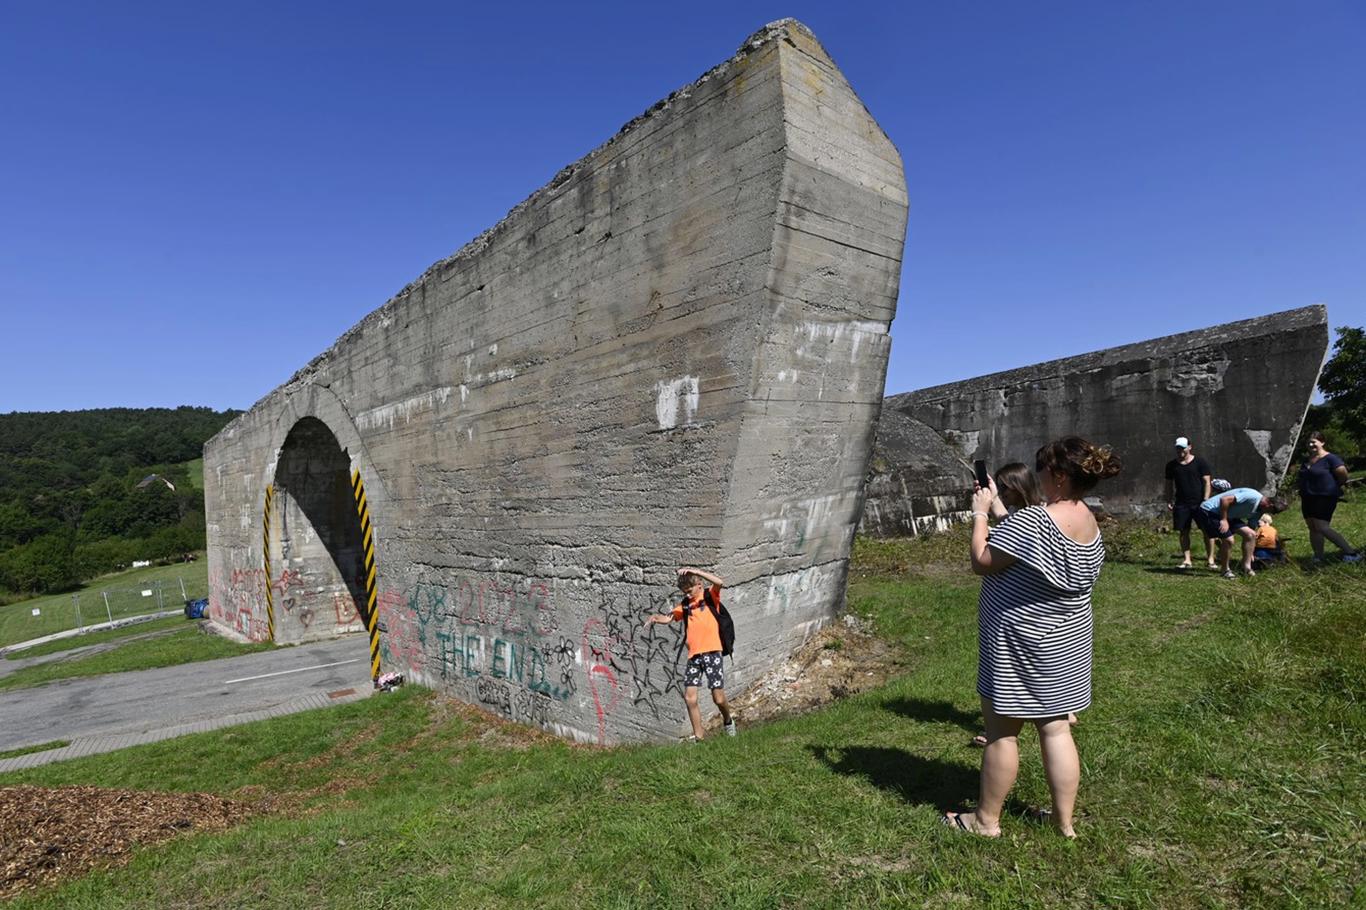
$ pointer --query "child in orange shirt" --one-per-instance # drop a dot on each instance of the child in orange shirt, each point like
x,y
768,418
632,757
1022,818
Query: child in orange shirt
x,y
1268,545
704,644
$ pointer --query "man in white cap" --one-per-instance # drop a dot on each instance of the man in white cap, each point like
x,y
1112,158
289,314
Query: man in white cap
x,y
1188,485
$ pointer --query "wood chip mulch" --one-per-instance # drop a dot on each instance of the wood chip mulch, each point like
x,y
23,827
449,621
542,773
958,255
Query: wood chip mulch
x,y
49,833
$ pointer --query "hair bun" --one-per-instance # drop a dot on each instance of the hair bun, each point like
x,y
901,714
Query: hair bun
x,y
1101,462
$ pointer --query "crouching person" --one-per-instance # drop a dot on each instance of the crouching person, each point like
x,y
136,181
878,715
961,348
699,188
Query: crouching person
x,y
1235,514
702,615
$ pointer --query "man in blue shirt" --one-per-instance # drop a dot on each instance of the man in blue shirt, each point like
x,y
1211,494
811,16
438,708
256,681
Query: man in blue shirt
x,y
1235,512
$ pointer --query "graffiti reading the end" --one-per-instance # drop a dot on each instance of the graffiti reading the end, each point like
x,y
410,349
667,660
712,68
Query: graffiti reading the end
x,y
498,641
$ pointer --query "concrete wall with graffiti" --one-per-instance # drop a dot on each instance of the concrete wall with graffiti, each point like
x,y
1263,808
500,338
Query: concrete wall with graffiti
x,y
672,354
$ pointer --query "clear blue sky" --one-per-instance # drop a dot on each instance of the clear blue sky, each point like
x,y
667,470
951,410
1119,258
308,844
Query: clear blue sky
x,y
196,199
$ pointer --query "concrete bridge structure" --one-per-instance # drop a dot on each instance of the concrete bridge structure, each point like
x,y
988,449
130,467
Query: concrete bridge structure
x,y
673,353
1238,390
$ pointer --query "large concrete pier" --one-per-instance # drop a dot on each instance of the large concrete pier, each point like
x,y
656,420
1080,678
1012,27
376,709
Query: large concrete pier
x,y
672,353
1239,391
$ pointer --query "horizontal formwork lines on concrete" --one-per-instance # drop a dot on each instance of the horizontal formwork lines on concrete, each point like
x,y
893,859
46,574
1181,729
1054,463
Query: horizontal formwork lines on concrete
x,y
537,324
793,244
623,215
534,305
874,165
681,111
757,97
854,216
529,526
815,87
1243,332
820,222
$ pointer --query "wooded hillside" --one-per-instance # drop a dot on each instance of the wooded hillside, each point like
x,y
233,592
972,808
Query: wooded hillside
x,y
72,501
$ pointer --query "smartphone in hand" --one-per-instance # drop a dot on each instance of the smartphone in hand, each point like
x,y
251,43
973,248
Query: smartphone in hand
x,y
983,480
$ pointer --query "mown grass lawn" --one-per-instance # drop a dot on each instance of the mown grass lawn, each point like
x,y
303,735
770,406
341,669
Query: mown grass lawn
x,y
1223,767
195,468
57,614
104,636
182,646
36,747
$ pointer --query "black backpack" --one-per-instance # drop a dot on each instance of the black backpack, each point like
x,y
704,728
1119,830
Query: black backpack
x,y
724,624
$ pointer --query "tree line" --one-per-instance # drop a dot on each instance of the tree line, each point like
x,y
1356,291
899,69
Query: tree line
x,y
1342,416
71,503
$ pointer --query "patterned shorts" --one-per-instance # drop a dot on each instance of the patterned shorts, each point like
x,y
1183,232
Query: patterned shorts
x,y
710,664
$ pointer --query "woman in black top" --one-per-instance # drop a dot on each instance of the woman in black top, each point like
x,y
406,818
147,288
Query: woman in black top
x,y
1321,480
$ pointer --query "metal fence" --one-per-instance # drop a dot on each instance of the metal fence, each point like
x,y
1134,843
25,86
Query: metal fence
x,y
108,605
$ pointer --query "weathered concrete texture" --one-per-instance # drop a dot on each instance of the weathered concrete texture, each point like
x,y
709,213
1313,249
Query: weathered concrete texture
x,y
1239,391
917,482
673,353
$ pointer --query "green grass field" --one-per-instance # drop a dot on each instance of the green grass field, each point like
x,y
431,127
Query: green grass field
x,y
183,646
195,469
57,614
39,747
1222,767
104,636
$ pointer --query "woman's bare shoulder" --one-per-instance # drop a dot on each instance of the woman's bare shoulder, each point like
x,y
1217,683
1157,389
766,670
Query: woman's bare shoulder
x,y
1077,524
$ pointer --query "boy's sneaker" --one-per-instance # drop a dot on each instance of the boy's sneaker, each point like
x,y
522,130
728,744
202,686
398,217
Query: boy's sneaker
x,y
730,728
1352,557
1228,573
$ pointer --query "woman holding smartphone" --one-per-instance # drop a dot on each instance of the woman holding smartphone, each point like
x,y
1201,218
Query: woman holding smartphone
x,y
1034,628
1015,487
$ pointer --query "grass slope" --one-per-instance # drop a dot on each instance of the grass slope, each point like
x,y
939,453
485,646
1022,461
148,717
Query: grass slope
x,y
1222,767
57,614
40,747
104,636
195,469
180,647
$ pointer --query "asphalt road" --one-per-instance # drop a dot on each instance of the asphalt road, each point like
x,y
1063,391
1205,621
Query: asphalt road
x,y
146,701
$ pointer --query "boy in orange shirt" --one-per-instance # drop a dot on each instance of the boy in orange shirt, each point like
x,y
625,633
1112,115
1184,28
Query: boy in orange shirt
x,y
1268,545
704,644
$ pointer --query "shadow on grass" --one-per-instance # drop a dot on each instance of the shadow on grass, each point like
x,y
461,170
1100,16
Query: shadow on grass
x,y
934,712
1203,572
919,781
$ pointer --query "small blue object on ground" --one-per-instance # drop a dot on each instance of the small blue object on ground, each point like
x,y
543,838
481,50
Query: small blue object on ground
x,y
194,609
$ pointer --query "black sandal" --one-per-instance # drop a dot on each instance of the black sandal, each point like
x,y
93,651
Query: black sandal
x,y
956,818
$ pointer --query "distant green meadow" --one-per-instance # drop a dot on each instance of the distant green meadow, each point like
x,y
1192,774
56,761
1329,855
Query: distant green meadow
x,y
58,612
195,468
134,652
1222,767
120,634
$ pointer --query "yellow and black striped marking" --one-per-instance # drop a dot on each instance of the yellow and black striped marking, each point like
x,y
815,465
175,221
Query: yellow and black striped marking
x,y
368,540
265,559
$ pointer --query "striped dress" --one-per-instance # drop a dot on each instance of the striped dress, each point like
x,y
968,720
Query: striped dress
x,y
1034,619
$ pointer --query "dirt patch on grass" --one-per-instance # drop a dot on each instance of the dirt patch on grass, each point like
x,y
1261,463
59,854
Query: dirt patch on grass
x,y
880,863
1186,625
47,834
445,715
841,660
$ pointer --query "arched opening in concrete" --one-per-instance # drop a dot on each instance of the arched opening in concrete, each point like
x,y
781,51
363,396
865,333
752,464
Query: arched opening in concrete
x,y
317,553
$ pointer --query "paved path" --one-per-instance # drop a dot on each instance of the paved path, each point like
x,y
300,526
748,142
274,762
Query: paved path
x,y
103,713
